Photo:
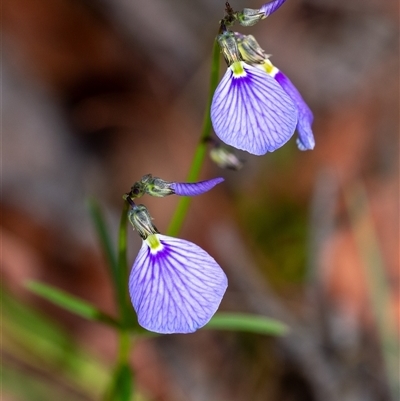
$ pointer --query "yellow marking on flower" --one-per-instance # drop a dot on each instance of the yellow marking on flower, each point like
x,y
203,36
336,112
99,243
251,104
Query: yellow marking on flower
x,y
154,243
238,70
269,68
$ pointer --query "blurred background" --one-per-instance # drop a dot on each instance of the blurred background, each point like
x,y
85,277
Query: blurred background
x,y
97,93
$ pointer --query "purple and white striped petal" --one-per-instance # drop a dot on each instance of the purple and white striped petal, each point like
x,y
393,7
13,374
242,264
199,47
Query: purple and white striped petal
x,y
175,286
250,110
194,188
269,8
305,141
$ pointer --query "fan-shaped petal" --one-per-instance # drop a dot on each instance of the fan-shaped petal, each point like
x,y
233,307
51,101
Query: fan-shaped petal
x,y
250,110
175,286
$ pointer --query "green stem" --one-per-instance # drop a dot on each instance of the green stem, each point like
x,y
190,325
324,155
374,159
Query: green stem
x,y
124,345
123,265
199,155
120,388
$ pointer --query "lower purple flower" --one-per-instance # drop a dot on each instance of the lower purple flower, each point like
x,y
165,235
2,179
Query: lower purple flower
x,y
175,286
250,110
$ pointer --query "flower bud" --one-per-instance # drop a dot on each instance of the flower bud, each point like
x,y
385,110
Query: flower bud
x,y
223,157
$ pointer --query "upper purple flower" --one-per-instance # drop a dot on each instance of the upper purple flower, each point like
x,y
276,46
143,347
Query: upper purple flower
x,y
250,110
175,286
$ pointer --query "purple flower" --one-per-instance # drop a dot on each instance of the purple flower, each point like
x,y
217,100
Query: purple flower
x,y
250,110
175,286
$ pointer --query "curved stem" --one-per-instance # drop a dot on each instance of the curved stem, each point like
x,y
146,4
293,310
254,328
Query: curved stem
x,y
199,155
123,266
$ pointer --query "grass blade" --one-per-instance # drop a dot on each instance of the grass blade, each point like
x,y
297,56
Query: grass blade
x,y
249,323
71,303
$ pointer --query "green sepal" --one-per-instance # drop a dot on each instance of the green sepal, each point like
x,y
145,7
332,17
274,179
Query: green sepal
x,y
249,17
105,241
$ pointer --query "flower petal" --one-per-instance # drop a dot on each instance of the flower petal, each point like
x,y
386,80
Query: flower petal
x,y
175,286
250,110
271,7
305,140
194,188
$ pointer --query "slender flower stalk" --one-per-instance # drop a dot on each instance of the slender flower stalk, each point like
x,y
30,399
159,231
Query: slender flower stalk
x,y
201,150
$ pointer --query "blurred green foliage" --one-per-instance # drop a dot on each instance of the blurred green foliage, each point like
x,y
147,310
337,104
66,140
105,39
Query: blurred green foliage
x,y
43,356
277,226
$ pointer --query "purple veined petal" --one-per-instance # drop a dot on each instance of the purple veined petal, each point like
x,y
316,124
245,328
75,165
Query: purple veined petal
x,y
305,141
272,6
250,110
175,286
194,188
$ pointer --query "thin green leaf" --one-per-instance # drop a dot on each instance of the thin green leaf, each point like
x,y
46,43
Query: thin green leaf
x,y
47,346
37,384
250,323
117,261
105,240
22,316
71,303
